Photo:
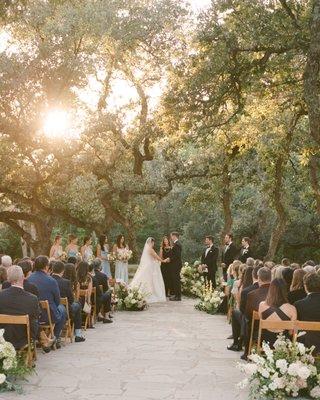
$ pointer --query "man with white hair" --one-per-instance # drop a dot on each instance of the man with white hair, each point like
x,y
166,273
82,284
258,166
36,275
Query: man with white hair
x,y
6,261
16,301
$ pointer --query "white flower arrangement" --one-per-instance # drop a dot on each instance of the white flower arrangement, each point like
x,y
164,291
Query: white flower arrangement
x,y
287,370
211,299
124,255
112,257
192,282
130,299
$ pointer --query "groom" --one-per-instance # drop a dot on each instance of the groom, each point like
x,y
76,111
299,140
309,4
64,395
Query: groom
x,y
176,265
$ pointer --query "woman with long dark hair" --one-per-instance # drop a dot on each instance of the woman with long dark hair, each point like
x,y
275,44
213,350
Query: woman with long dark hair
x,y
121,251
165,253
276,307
102,254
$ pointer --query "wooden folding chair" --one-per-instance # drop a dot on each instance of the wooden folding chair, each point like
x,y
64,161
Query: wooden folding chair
x,y
68,328
273,326
29,348
307,326
255,317
49,326
84,294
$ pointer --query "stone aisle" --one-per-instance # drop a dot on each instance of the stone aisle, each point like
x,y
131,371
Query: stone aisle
x,y
170,351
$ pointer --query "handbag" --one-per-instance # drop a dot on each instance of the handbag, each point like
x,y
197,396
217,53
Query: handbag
x,y
87,308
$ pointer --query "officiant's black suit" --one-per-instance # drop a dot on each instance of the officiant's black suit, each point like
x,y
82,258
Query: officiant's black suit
x,y
176,265
210,259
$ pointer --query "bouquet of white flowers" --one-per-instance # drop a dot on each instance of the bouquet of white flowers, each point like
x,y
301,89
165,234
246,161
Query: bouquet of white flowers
x,y
124,255
211,299
112,257
192,282
130,299
289,370
12,366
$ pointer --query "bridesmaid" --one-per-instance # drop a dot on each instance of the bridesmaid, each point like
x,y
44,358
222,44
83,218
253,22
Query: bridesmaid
x,y
165,252
72,249
120,248
86,249
56,249
102,254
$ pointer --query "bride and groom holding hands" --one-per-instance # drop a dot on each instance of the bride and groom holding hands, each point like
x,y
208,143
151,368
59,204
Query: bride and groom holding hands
x,y
148,276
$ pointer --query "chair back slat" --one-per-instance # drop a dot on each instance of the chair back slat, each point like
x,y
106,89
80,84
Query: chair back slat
x,y
14,319
307,326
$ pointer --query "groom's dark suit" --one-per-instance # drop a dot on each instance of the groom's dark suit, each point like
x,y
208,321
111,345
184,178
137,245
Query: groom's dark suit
x,y
176,265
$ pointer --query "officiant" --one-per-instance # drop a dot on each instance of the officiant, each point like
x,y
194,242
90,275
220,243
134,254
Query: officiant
x,y
209,258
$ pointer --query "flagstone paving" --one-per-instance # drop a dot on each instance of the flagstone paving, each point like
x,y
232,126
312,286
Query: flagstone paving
x,y
170,351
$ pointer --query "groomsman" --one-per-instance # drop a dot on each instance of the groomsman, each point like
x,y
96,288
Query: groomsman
x,y
209,258
245,251
176,265
229,253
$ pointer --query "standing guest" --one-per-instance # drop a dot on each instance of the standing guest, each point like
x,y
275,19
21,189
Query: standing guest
x,y
3,276
72,248
102,254
49,290
120,249
74,306
308,309
245,251
297,291
56,249
176,265
209,258
276,308
86,249
26,266
103,297
165,253
6,261
229,254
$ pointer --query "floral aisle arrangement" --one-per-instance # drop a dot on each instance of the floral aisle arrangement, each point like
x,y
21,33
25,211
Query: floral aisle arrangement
x,y
289,370
192,282
211,299
12,366
130,299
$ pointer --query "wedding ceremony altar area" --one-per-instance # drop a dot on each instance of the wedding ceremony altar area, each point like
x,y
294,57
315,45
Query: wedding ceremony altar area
x,y
170,351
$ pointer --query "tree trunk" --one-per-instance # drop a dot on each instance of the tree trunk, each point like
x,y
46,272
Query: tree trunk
x,y
226,200
312,93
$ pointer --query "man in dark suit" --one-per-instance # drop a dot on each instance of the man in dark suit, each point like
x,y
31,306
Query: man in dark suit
x,y
308,309
245,251
238,315
209,258
16,301
49,290
26,266
229,254
176,265
254,299
66,291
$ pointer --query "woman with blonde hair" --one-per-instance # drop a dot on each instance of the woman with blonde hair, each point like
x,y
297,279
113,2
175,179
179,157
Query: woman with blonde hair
x,y
56,249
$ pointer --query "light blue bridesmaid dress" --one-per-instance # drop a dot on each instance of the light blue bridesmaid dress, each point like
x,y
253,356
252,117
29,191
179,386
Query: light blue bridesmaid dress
x,y
105,263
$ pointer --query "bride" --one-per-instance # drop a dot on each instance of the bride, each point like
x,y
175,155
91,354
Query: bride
x,y
148,276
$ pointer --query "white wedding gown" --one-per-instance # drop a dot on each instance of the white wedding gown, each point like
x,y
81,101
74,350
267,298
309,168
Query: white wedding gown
x,y
148,276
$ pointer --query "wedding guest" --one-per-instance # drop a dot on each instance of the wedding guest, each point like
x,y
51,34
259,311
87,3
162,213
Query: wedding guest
x,y
165,253
287,276
309,269
286,262
295,266
85,283
86,249
6,261
120,249
3,276
72,248
49,290
297,291
102,254
245,251
269,264
103,298
277,272
251,262
70,273
209,258
56,249
16,301
26,266
229,253
276,308
74,306
72,260
308,309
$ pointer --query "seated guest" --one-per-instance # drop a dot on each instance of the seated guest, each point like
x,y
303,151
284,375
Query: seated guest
x,y
3,276
66,291
287,276
16,301
285,262
308,309
309,269
49,290
276,308
295,266
70,273
6,261
103,298
72,260
26,266
85,283
297,291
277,272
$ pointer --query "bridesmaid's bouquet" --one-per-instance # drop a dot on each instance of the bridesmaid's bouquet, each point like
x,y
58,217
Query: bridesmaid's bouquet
x,y
112,257
125,255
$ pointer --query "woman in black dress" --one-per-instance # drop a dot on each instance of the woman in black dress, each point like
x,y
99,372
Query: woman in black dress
x,y
297,291
165,252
